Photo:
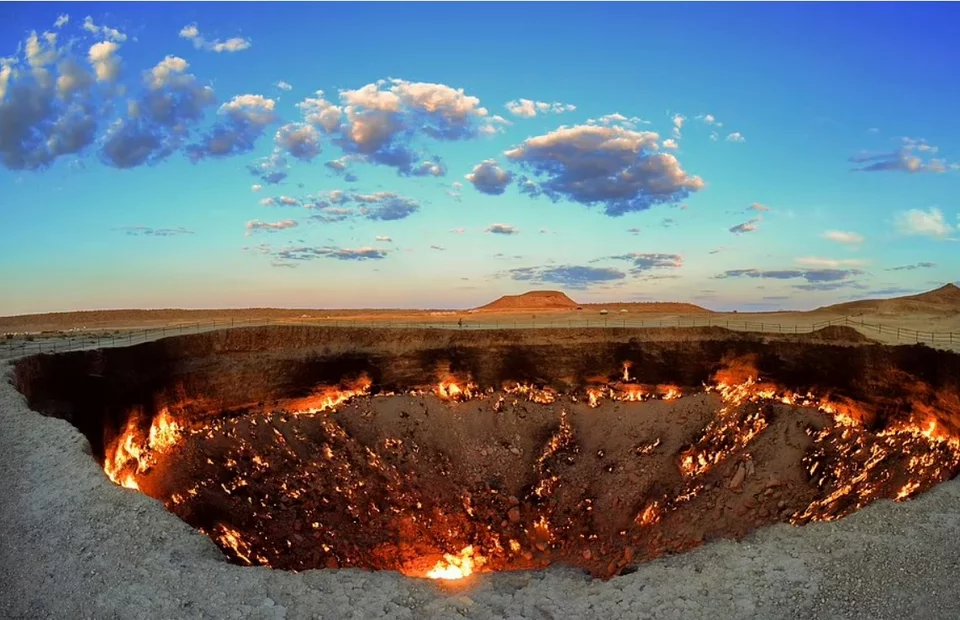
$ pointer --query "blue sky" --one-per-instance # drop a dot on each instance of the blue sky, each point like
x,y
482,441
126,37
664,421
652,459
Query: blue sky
x,y
752,156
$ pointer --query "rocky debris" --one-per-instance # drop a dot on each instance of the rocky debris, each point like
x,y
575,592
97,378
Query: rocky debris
x,y
736,483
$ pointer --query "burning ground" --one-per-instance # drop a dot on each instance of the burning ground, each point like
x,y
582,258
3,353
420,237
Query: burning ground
x,y
446,481
612,455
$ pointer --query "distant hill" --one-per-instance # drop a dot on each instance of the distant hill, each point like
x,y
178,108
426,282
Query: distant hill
x,y
944,300
555,300
533,300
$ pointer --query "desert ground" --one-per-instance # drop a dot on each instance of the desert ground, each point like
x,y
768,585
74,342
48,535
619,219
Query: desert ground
x,y
78,546
932,318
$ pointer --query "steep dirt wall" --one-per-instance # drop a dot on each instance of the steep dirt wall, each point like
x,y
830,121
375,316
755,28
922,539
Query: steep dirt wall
x,y
206,374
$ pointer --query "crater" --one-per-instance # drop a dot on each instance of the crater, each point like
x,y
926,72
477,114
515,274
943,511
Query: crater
x,y
440,453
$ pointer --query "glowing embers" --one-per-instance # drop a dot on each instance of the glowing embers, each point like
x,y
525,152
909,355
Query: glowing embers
x,y
631,392
524,477
326,398
853,467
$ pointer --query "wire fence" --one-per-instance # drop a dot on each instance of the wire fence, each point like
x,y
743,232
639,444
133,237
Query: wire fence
x,y
62,341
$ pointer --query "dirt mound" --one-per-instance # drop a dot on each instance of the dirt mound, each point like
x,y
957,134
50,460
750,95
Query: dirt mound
x,y
944,300
837,333
533,300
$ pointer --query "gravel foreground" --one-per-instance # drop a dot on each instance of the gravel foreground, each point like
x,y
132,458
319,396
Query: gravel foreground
x,y
73,545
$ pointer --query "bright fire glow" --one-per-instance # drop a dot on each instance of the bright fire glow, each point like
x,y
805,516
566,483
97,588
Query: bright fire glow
x,y
457,566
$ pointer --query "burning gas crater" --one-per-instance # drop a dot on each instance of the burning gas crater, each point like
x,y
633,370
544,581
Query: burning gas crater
x,y
450,480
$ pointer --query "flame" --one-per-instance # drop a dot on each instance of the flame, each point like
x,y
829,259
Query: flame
x,y
164,432
131,453
330,397
457,566
450,390
230,537
532,393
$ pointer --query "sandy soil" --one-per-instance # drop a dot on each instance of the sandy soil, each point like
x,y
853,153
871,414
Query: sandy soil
x,y
76,546
50,333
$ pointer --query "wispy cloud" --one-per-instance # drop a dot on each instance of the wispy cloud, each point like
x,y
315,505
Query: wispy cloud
x,y
233,44
913,266
571,276
830,262
914,155
840,236
646,261
527,108
256,225
306,253
745,227
924,223
810,275
146,231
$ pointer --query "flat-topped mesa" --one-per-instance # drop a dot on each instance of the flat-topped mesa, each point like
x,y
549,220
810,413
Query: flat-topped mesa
x,y
532,300
544,301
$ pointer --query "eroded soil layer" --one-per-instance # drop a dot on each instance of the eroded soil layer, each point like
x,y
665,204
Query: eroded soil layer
x,y
263,439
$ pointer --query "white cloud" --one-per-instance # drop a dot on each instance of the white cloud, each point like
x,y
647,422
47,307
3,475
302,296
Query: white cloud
x,y
301,140
709,119
670,143
618,168
930,223
256,188
283,85
384,239
677,120
256,225
111,34
489,178
383,117
62,20
840,236
758,207
235,44
736,137
527,108
321,113
105,62
829,263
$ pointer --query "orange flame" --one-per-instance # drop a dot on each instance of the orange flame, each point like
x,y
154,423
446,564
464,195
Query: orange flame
x,y
451,390
131,454
330,397
457,566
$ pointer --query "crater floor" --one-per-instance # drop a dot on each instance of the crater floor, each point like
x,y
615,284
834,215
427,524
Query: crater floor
x,y
77,545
